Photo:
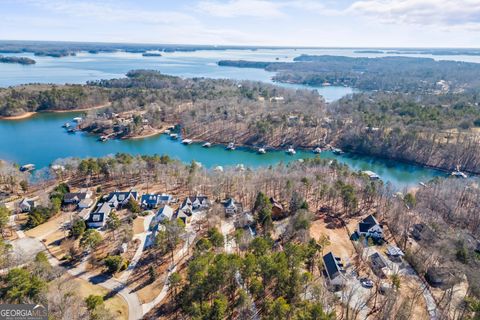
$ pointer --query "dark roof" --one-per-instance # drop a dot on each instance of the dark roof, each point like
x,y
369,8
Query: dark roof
x,y
331,265
72,195
364,227
100,215
149,199
378,261
370,220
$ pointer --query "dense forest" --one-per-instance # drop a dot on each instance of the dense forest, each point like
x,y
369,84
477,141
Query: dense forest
x,y
435,130
19,60
400,74
32,98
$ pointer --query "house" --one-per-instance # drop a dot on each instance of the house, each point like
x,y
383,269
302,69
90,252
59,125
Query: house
x,y
165,213
394,253
165,199
422,232
76,197
439,277
119,199
371,175
334,270
369,227
85,203
26,205
197,202
149,201
185,215
379,265
244,220
98,218
232,207
277,209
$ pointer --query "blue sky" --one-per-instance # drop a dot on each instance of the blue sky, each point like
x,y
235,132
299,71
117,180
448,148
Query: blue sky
x,y
323,23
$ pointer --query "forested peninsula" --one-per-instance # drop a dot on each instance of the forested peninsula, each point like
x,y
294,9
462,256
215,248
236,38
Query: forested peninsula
x,y
437,130
19,60
400,74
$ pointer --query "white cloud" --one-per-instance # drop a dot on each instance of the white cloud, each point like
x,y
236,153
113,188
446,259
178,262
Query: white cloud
x,y
443,13
237,8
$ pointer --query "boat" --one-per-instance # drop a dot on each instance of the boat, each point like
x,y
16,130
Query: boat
x,y
171,128
372,175
77,119
27,167
422,184
337,151
66,125
231,146
218,169
187,141
262,151
240,167
207,145
173,135
71,130
458,174
291,151
103,138
167,131
317,150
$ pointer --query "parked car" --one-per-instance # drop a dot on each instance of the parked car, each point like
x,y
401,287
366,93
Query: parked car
x,y
366,283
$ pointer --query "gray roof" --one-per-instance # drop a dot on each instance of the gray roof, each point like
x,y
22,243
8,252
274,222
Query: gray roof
x,y
332,266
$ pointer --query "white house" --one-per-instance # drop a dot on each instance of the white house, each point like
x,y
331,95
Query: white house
x,y
98,218
26,205
369,227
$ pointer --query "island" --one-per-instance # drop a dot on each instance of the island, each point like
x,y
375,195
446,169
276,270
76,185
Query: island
x,y
19,60
151,54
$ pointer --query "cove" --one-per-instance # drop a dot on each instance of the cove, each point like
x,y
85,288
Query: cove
x,y
41,140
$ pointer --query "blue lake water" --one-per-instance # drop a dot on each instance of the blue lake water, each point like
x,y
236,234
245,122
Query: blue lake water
x,y
41,140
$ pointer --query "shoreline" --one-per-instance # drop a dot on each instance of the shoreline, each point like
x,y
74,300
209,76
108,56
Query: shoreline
x,y
30,114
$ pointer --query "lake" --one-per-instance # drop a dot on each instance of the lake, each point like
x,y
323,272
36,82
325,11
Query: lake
x,y
41,140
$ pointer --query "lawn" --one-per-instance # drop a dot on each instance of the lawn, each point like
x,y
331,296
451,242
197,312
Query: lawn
x,y
117,305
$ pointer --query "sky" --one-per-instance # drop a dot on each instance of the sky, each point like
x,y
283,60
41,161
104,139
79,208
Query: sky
x,y
318,23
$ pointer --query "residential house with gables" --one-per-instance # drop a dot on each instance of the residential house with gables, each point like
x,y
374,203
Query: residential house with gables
x,y
370,228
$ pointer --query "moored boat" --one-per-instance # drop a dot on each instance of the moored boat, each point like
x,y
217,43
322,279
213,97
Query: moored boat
x,y
230,146
262,151
173,135
337,151
207,145
27,167
458,174
291,151
187,141
317,150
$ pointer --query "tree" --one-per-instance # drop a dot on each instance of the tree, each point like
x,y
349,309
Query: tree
x,y
215,237
90,239
114,263
22,286
278,309
78,228
152,273
4,217
174,281
113,223
219,308
169,236
93,302
133,206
